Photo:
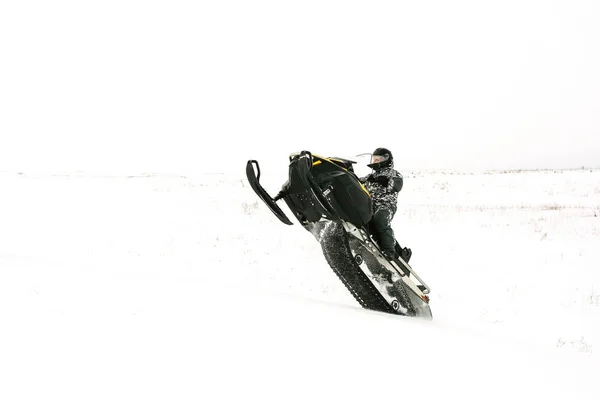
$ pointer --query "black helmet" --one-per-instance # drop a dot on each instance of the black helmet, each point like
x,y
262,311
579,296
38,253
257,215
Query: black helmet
x,y
381,158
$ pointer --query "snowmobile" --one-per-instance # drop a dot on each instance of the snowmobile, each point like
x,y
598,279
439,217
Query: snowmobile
x,y
328,200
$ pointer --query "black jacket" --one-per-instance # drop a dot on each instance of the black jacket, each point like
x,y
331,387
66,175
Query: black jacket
x,y
384,185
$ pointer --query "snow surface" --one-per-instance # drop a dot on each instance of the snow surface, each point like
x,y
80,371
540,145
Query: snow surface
x,y
174,287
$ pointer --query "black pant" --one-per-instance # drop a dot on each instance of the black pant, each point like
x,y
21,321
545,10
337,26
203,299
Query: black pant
x,y
382,229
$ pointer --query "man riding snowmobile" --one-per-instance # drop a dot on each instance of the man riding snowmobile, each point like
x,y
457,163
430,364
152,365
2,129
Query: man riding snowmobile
x,y
384,184
328,200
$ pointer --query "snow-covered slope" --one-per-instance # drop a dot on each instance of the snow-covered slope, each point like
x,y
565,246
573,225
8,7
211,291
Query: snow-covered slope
x,y
158,286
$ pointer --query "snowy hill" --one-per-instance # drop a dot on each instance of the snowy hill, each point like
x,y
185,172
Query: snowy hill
x,y
178,285
159,286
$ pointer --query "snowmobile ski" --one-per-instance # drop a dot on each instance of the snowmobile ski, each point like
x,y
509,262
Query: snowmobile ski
x,y
254,178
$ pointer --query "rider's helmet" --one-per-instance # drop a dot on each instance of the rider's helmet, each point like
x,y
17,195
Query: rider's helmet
x,y
381,158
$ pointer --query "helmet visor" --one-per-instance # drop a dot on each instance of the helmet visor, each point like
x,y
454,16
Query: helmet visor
x,y
379,159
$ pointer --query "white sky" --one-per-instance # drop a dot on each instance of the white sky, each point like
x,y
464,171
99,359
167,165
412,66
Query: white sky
x,y
179,86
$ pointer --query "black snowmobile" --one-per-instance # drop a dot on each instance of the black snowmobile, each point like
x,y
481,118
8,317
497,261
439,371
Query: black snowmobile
x,y
328,200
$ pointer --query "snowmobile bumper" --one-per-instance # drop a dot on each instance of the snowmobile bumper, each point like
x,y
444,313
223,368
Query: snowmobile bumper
x,y
253,178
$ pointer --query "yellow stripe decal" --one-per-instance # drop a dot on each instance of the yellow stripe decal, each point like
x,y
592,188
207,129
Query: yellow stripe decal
x,y
364,188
